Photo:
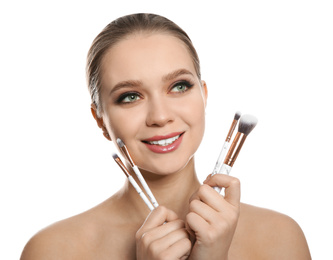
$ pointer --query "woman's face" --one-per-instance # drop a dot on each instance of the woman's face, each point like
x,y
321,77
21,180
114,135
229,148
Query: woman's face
x,y
153,100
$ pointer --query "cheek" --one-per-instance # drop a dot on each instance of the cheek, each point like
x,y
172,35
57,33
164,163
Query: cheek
x,y
194,116
122,124
194,113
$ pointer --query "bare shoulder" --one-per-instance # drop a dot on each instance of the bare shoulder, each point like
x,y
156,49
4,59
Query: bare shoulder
x,y
61,240
275,235
94,234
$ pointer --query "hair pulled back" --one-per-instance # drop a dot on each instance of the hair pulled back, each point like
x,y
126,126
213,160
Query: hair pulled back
x,y
118,30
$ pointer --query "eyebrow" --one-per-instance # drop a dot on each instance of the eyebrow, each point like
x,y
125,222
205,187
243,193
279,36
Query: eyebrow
x,y
136,83
176,73
126,83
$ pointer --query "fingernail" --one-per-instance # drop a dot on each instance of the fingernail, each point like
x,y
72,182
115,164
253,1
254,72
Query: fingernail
x,y
208,177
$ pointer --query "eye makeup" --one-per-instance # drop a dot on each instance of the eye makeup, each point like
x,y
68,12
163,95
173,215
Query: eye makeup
x,y
128,97
183,83
132,96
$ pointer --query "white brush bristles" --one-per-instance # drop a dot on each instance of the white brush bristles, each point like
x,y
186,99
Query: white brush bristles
x,y
247,123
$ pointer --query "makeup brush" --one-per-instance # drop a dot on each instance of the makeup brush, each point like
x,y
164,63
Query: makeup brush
x,y
135,168
246,124
132,181
226,144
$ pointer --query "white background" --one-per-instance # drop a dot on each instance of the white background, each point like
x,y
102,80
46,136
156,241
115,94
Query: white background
x,y
273,59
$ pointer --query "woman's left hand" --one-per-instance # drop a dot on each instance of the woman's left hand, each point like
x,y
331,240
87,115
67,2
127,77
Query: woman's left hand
x,y
213,218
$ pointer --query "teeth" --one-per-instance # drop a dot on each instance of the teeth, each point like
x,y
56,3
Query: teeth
x,y
165,142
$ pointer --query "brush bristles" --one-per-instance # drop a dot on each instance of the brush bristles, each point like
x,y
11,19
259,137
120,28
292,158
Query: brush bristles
x,y
115,156
120,164
120,143
237,115
247,123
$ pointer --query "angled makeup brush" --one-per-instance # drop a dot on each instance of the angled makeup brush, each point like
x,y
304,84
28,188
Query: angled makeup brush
x,y
132,181
135,168
226,144
246,124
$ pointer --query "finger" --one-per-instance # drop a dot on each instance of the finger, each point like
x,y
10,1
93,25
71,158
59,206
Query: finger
x,y
196,223
203,210
179,250
156,218
164,243
162,231
231,185
210,197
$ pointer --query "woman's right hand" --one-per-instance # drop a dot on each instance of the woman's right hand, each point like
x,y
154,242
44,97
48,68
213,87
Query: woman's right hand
x,y
162,236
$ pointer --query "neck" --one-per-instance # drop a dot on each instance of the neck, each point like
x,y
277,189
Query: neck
x,y
172,191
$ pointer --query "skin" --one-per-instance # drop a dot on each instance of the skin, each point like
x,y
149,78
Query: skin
x,y
193,221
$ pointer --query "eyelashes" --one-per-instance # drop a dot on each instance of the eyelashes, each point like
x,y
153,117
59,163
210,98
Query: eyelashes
x,y
128,97
181,86
177,88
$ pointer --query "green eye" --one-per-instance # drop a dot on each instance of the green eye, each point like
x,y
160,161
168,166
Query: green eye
x,y
180,87
128,98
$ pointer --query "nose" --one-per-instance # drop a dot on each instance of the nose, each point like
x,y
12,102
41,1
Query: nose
x,y
159,113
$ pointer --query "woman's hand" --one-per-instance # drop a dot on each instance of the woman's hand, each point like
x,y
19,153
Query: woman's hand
x,y
162,236
213,218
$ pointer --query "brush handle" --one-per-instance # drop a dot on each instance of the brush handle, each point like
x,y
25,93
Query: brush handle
x,y
145,185
225,169
221,157
142,195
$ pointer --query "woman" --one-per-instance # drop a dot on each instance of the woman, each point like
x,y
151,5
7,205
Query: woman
x,y
145,84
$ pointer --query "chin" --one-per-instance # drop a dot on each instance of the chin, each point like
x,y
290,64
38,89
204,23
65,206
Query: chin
x,y
166,167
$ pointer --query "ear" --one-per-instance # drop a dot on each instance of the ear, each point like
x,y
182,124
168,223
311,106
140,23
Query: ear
x,y
99,121
204,90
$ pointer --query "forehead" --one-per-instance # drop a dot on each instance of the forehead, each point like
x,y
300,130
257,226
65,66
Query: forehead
x,y
143,56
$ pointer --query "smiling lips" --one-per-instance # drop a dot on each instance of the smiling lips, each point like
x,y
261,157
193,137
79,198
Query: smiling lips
x,y
164,144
